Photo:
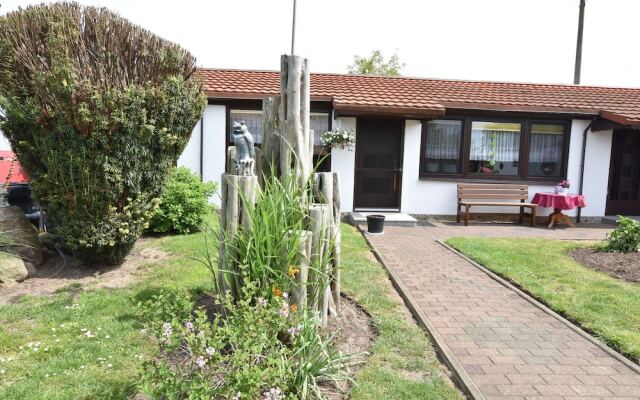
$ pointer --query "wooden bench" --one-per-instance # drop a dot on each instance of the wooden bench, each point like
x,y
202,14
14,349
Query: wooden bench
x,y
494,195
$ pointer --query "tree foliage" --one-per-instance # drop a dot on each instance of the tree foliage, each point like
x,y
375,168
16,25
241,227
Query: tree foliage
x,y
98,111
376,65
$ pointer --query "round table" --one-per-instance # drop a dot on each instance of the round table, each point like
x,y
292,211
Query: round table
x,y
559,202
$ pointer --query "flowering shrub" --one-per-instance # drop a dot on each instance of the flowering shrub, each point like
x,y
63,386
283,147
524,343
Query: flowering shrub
x,y
625,238
565,184
257,349
184,204
339,138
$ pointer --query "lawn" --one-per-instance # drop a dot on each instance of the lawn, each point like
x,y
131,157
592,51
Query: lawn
x,y
90,344
604,306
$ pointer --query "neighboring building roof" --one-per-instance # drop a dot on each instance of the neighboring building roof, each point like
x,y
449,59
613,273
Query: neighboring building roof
x,y
430,97
9,165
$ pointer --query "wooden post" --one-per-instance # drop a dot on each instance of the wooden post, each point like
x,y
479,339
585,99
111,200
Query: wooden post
x,y
296,144
320,225
237,192
271,131
299,294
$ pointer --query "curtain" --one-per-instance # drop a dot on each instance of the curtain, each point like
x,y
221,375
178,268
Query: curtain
x,y
507,145
253,119
443,140
320,124
545,147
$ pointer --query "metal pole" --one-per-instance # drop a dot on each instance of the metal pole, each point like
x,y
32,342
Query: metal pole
x,y
293,28
576,74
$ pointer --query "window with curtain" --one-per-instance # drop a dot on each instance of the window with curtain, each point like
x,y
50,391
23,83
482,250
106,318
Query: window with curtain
x,y
494,148
442,147
546,150
252,118
319,122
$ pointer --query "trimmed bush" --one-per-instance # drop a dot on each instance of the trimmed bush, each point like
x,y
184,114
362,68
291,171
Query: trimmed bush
x,y
98,111
185,203
625,238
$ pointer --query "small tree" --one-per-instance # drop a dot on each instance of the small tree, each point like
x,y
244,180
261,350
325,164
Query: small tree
x,y
376,65
98,111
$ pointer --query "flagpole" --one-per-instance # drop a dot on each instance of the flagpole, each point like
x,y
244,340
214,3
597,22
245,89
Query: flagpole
x,y
293,28
578,67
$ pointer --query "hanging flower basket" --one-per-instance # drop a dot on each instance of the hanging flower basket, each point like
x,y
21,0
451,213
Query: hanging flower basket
x,y
343,139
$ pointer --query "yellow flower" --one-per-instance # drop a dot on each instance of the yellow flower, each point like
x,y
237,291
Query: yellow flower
x,y
277,292
293,271
294,307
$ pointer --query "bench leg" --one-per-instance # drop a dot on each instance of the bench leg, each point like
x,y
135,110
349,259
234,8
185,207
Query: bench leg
x,y
458,214
467,215
533,216
521,217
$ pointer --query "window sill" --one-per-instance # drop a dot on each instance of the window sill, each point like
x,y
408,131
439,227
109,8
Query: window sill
x,y
514,180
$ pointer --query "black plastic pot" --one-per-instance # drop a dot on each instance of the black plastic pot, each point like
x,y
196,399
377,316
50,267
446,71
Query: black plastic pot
x,y
375,223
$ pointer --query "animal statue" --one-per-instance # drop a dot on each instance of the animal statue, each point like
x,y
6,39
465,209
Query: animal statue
x,y
245,152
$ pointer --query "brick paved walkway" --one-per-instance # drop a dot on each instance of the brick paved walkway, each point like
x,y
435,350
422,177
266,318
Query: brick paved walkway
x,y
507,347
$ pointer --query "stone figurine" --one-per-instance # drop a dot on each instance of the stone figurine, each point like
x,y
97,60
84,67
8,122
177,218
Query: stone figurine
x,y
245,152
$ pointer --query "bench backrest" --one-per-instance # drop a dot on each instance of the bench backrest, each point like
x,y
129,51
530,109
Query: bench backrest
x,y
490,191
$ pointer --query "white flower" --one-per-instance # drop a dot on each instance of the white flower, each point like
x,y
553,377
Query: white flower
x,y
262,302
189,326
109,365
272,394
210,351
284,310
285,295
201,361
294,330
89,334
237,396
168,329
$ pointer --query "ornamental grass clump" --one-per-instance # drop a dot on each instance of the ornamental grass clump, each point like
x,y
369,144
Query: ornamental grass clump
x,y
98,111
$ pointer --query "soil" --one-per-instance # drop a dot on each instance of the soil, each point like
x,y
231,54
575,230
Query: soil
x,y
618,265
353,332
54,275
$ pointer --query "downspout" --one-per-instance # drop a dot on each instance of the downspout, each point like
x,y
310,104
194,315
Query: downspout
x,y
584,152
202,148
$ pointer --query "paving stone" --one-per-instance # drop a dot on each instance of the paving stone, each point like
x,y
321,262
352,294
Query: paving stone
x,y
510,348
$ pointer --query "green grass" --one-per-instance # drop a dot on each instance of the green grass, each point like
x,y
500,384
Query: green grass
x,y
603,305
70,365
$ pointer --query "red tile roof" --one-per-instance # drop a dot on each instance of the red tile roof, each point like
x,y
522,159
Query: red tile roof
x,y
424,97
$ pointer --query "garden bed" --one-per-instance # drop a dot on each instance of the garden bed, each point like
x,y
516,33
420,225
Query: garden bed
x,y
618,265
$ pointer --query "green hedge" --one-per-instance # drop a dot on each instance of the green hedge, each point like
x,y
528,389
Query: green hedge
x,y
98,111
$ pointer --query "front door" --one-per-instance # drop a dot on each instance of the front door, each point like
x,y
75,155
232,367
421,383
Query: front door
x,y
378,163
624,174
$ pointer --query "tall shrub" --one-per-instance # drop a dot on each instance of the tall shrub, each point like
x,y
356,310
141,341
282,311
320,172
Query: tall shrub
x,y
98,111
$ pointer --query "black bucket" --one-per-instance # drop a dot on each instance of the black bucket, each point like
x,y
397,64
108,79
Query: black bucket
x,y
375,223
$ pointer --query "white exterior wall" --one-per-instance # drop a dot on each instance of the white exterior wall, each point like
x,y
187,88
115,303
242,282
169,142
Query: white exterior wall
x,y
190,156
4,143
437,197
344,162
214,143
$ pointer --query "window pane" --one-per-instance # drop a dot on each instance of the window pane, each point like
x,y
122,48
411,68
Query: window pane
x,y
495,148
253,119
320,124
546,148
442,150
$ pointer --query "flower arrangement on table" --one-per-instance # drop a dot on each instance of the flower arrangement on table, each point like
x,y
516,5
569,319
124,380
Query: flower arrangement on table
x,y
563,187
339,139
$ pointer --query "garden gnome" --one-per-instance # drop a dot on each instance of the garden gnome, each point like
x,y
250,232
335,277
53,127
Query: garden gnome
x,y
245,152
